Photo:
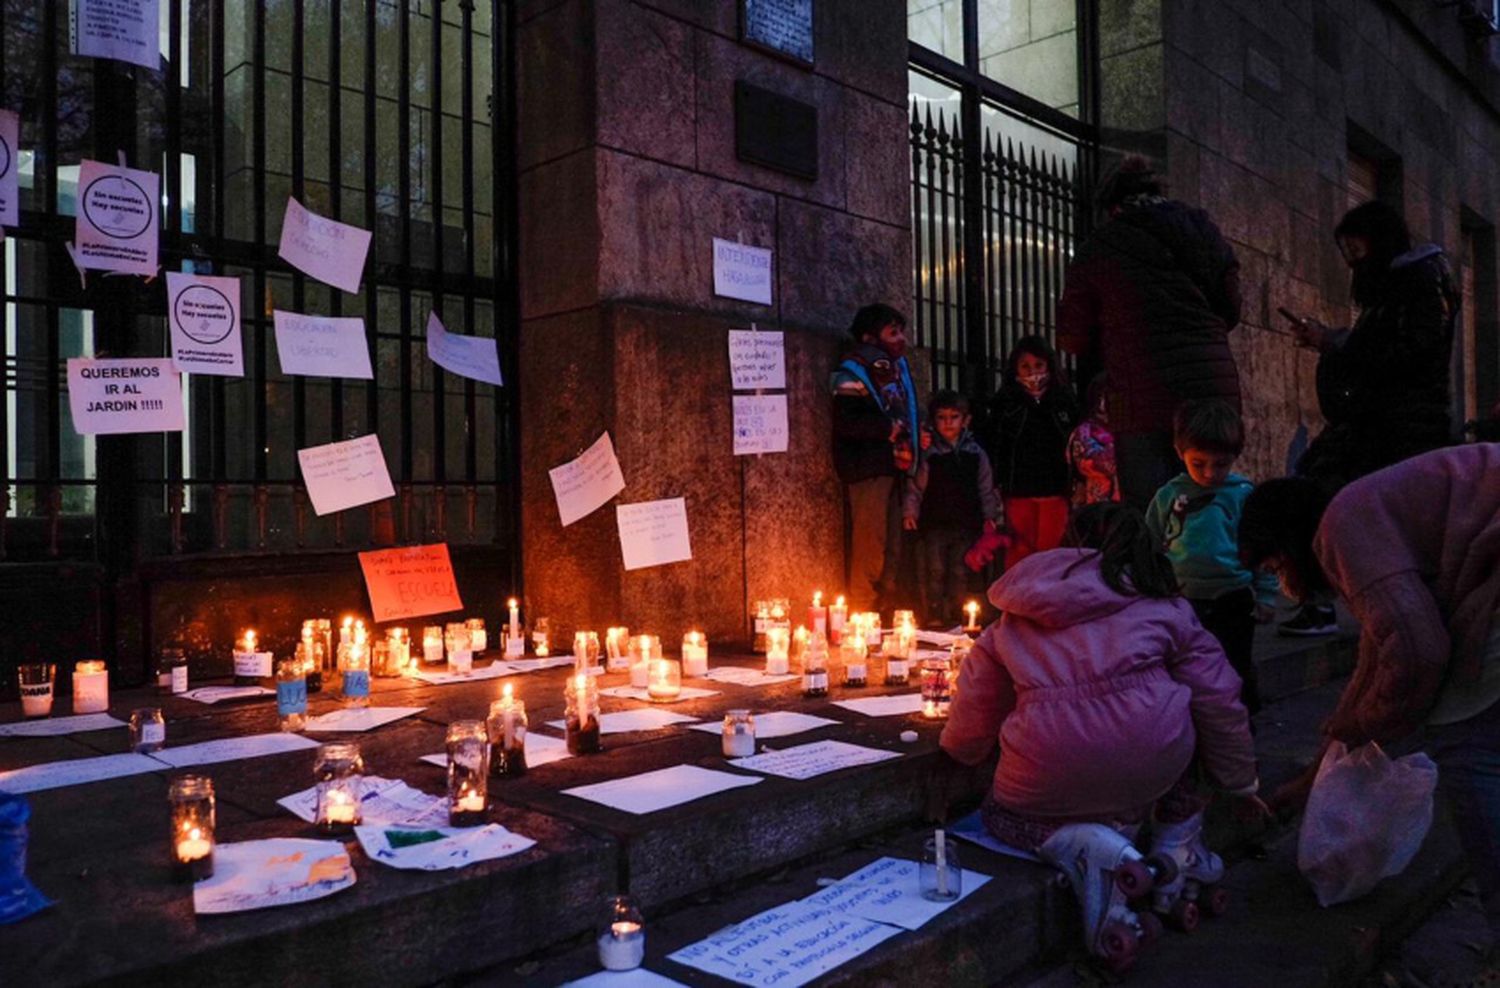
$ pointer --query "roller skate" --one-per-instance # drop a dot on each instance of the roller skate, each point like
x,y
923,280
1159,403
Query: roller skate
x,y
1106,871
1195,890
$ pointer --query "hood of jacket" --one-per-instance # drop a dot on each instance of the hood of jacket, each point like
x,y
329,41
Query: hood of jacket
x,y
1419,253
966,443
1058,589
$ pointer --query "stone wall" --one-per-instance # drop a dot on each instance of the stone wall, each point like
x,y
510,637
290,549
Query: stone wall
x,y
628,170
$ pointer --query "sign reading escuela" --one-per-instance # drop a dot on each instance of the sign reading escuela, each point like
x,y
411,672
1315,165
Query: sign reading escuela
x,y
410,582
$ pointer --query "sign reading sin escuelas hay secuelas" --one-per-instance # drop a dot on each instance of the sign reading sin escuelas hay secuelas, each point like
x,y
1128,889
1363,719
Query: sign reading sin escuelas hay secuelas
x,y
204,315
742,271
410,582
118,219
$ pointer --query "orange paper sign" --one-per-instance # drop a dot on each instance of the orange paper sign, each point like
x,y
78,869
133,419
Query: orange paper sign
x,y
410,582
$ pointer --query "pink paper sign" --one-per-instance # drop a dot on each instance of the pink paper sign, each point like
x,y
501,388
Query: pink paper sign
x,y
330,251
118,219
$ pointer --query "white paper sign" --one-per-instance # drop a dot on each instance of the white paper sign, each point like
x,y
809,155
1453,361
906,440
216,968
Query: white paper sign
x,y
757,360
10,168
637,978
776,724
345,474
476,357
541,749
742,271
759,424
280,871
536,665
322,346
109,397
233,749
77,771
443,678
625,721
584,485
204,314
218,694
118,219
887,891
741,676
125,30
652,791
816,758
330,251
359,718
439,848
883,706
48,727
382,802
653,533
639,693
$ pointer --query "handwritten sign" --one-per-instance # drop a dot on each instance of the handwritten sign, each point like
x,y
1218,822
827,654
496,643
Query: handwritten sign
x,y
585,485
345,474
759,424
742,271
757,359
124,30
653,533
118,220
410,582
817,758
475,357
786,946
322,346
330,251
204,314
10,170
887,891
110,397
785,26
277,871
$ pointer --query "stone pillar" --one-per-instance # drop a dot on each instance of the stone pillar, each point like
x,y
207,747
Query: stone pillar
x,y
628,170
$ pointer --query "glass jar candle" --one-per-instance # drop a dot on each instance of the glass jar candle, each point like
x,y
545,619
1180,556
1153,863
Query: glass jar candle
x,y
781,614
252,667
309,653
291,694
838,617
894,650
148,729
357,676
617,650
506,726
460,649
585,651
622,935
695,654
762,622
903,619
37,681
971,612
939,877
856,657
935,695
172,672
468,772
739,734
513,622
665,680
815,666
581,717
338,769
191,798
432,644
778,648
541,637
399,642
90,687
479,638
643,650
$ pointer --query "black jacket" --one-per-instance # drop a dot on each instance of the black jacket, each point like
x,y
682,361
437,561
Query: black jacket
x,y
1028,440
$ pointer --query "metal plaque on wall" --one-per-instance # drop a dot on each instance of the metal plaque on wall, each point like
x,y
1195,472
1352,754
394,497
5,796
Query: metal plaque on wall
x,y
775,131
781,26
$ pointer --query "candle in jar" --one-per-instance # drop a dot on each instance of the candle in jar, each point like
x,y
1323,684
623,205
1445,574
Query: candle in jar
x,y
346,630
778,642
470,801
508,715
432,645
90,688
930,709
340,808
665,680
694,654
838,616
515,617
972,610
194,845
623,948
817,614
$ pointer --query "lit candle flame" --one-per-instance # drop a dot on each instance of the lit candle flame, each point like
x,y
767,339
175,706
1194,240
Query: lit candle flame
x,y
505,693
838,601
512,603
818,598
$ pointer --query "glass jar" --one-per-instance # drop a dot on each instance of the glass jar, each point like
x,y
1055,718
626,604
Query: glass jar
x,y
581,717
479,638
191,798
468,772
356,686
172,671
585,651
506,726
541,637
460,642
762,622
310,652
935,693
695,654
432,644
856,658
90,687
778,651
903,619
148,729
939,877
780,615
739,734
815,666
617,650
291,694
895,651
622,935
252,667
643,650
665,682
338,770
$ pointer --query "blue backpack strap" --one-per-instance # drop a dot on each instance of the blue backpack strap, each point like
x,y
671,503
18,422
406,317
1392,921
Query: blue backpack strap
x,y
913,419
857,371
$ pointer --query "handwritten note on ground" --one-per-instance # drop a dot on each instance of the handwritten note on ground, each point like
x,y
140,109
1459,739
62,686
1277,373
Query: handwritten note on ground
x,y
10,168
410,581
53,726
345,474
776,724
110,397
233,749
757,359
584,485
652,791
359,719
439,848
654,533
742,272
124,30
476,357
204,315
626,721
887,891
759,424
278,871
322,346
118,219
883,706
77,771
330,251
817,758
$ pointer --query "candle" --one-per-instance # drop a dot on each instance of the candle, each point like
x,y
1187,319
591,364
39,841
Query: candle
x,y
470,802
666,680
616,643
479,638
694,654
340,808
838,616
346,630
778,641
623,947
90,688
432,644
515,617
581,718
817,614
193,846
972,610
930,709
644,649
855,657
508,715
940,855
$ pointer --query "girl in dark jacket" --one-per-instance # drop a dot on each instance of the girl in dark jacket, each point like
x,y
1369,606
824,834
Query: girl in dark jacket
x,y
1029,423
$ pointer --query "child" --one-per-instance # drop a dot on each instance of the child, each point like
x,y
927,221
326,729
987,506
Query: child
x,y
1195,517
951,501
1101,690
1091,451
1030,420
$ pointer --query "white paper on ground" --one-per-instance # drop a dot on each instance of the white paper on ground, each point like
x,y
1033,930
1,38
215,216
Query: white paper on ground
x,y
48,727
382,802
10,168
541,749
77,771
654,533
345,474
776,724
440,848
757,359
919,654
625,721
742,271
330,251
971,828
814,758
438,677
476,357
785,947
216,694
940,638
118,223
887,891
124,30
231,749
359,718
204,316
322,346
584,485
742,676
638,693
137,394
536,665
652,791
280,871
883,706
638,978
759,424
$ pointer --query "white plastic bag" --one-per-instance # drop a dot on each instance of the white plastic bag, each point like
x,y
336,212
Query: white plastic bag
x,y
1366,817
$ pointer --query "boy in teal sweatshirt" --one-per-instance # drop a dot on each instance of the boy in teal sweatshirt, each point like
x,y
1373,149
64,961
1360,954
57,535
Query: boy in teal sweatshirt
x,y
1196,516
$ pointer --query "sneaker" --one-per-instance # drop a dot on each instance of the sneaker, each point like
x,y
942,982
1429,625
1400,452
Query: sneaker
x,y
1311,620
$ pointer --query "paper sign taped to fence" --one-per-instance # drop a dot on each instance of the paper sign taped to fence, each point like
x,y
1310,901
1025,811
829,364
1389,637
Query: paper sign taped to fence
x,y
759,424
110,397
10,168
742,271
322,346
345,474
585,485
204,313
330,251
756,359
475,357
653,533
118,219
410,581
125,30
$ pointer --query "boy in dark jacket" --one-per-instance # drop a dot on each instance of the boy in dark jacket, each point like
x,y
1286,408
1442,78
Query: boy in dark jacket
x,y
950,501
